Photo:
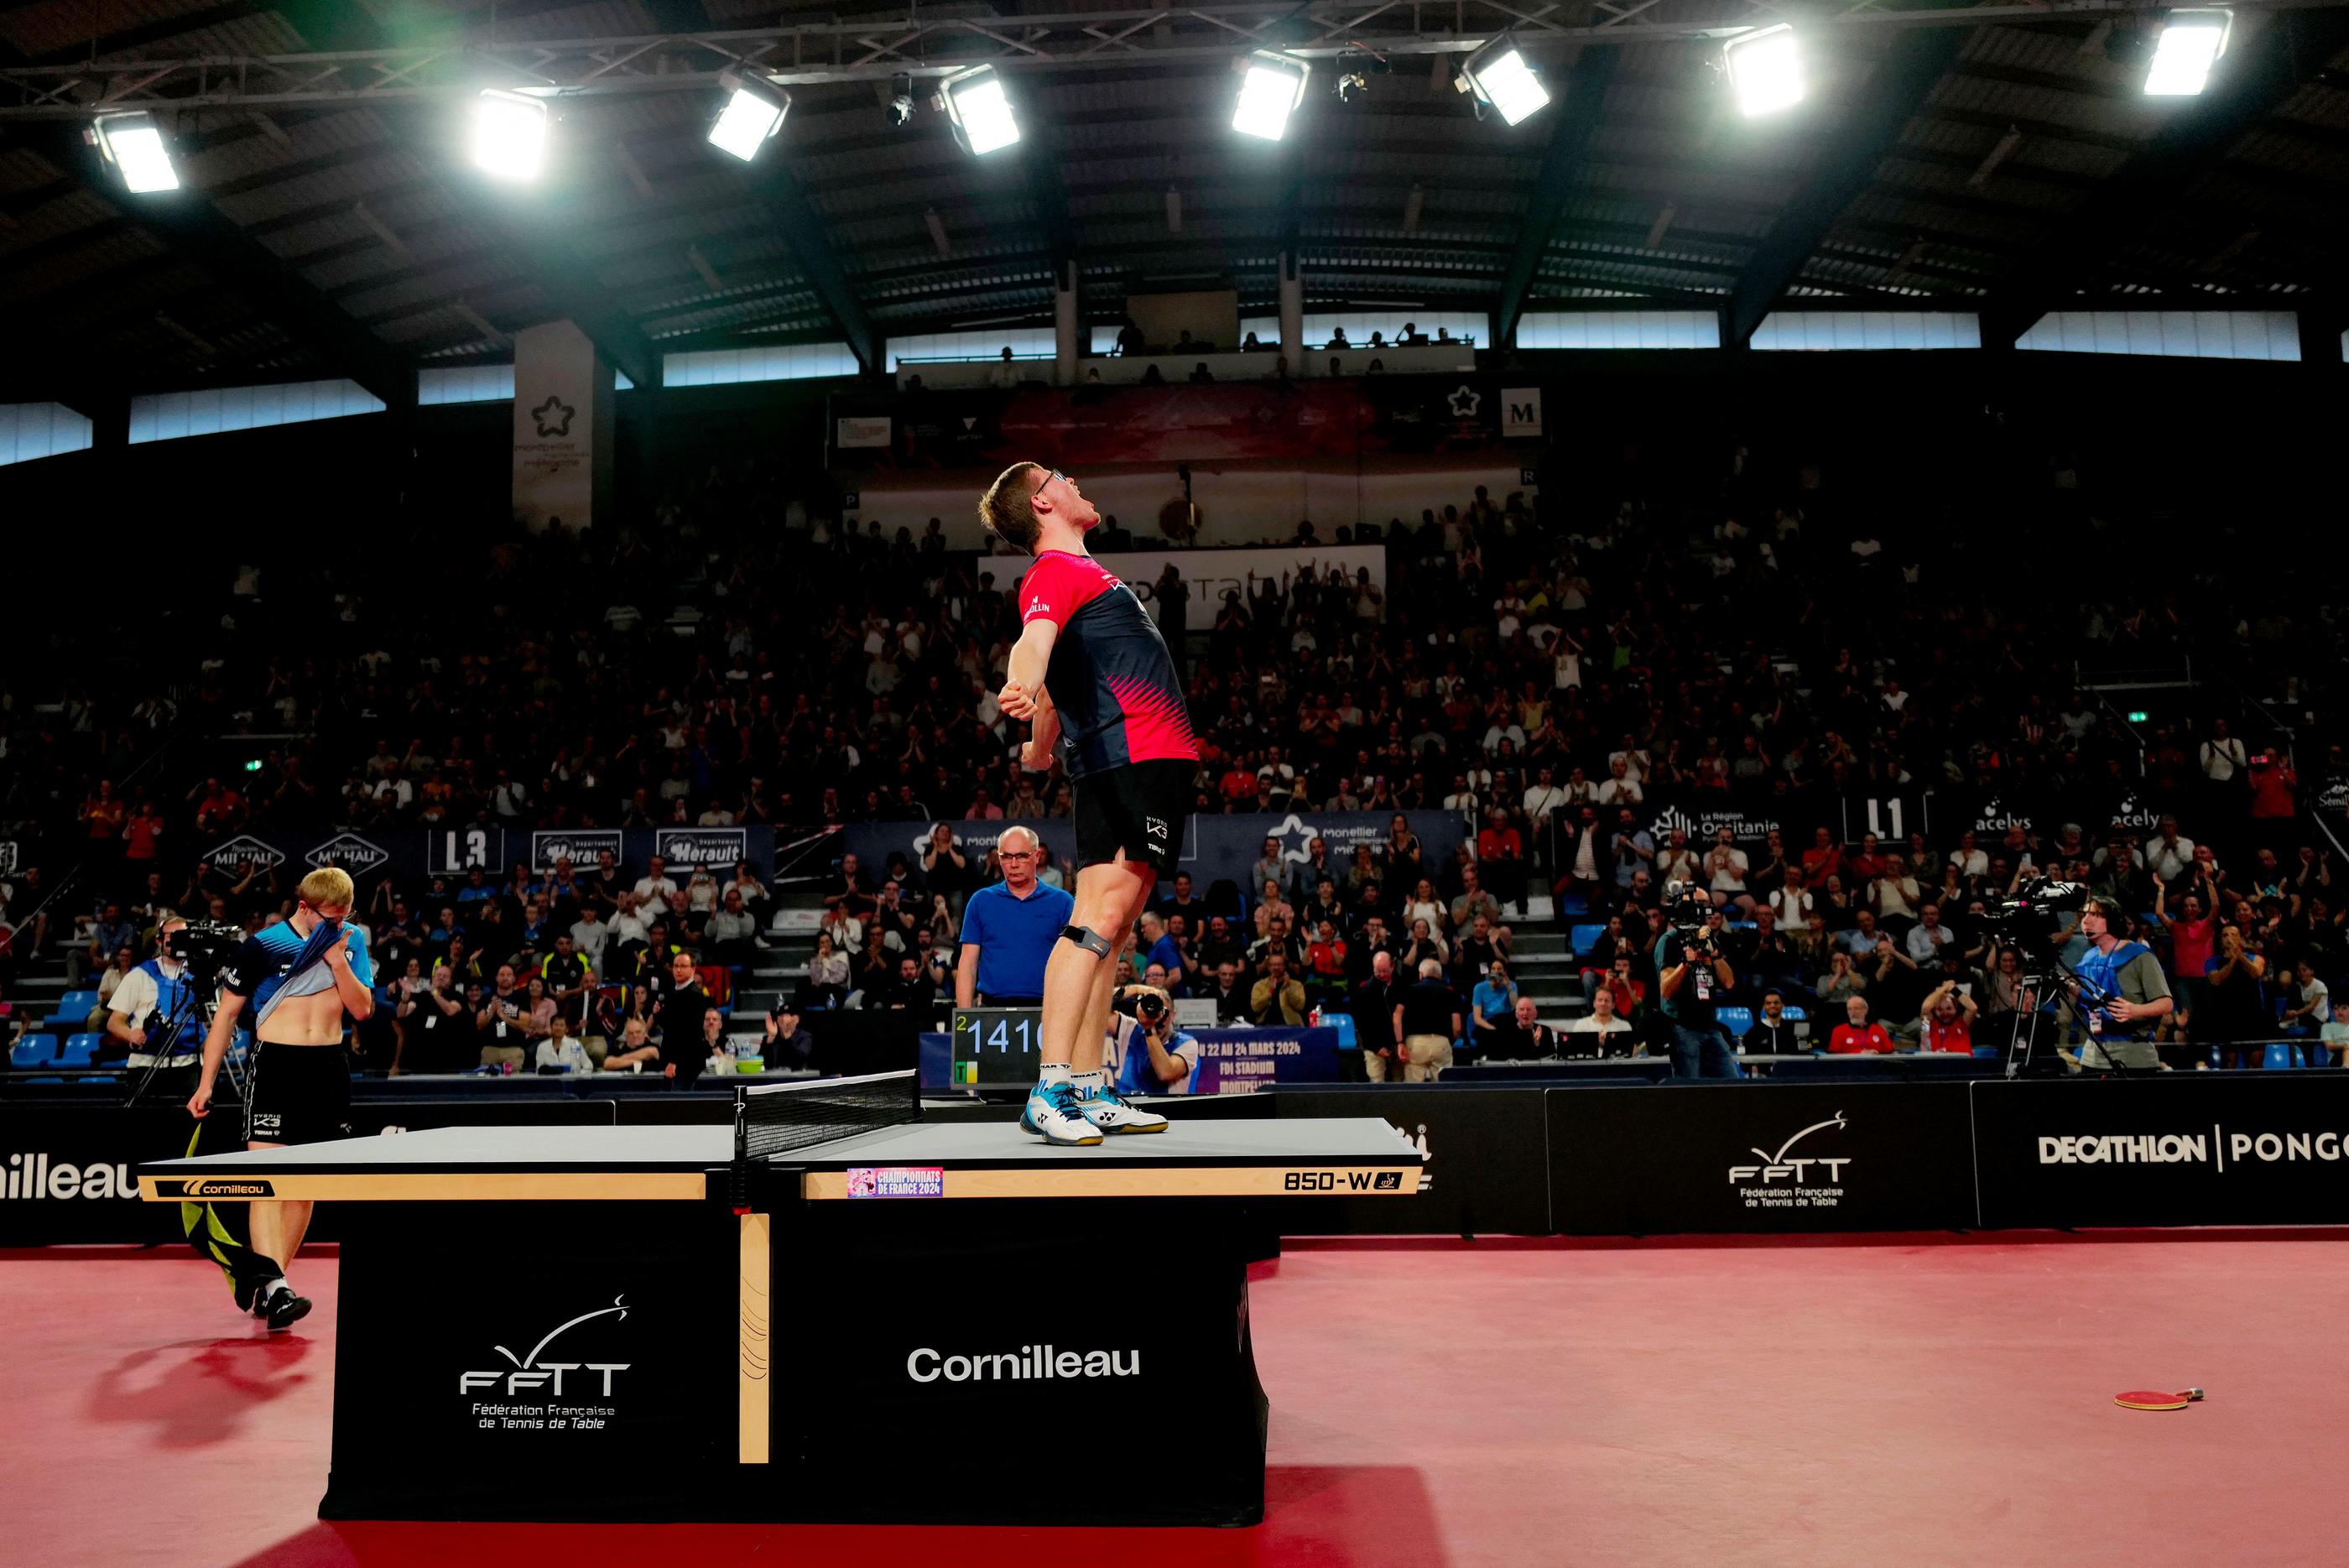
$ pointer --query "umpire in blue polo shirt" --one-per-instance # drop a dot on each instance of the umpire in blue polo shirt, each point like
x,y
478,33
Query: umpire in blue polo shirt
x,y
1008,929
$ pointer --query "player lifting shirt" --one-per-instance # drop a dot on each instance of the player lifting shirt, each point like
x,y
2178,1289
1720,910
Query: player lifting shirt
x,y
300,976
1092,672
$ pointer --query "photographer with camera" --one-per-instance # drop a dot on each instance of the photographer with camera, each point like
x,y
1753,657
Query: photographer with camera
x,y
1148,1053
1692,975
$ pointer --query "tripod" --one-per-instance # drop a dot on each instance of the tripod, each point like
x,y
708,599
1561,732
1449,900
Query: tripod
x,y
2072,993
198,1002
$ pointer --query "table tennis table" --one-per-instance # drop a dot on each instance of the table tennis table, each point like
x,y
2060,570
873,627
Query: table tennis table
x,y
897,1321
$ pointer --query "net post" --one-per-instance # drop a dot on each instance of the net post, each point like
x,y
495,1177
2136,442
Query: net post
x,y
738,1184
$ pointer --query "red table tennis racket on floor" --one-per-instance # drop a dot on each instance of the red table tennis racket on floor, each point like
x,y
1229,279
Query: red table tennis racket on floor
x,y
2144,1399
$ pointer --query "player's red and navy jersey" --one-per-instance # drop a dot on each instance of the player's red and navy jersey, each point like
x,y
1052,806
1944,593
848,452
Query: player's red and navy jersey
x,y
1110,676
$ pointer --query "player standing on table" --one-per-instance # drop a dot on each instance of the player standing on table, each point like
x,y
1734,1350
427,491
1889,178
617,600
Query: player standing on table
x,y
1090,668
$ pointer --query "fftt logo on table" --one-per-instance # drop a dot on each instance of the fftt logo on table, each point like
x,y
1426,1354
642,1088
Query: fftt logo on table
x,y
529,1373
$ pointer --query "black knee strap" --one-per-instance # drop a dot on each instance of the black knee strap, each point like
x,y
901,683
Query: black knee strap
x,y
1093,941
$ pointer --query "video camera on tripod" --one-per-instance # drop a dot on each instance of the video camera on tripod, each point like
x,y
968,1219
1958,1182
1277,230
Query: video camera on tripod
x,y
202,949
2028,921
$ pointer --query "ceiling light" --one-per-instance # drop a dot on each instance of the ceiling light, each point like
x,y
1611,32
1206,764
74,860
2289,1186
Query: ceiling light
x,y
509,134
1500,74
754,112
2189,45
979,110
1765,69
1271,87
133,143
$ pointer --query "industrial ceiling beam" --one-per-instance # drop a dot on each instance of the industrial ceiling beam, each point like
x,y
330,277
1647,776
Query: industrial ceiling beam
x,y
190,225
1575,121
777,191
2247,86
1890,97
927,44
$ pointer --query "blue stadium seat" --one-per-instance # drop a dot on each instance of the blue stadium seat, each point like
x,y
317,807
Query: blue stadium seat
x,y
33,1051
81,1047
2279,1056
1737,1020
74,1009
1585,938
1572,903
1795,1014
1343,1023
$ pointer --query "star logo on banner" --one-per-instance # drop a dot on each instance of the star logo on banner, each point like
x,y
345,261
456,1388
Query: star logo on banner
x,y
1296,838
554,417
1465,402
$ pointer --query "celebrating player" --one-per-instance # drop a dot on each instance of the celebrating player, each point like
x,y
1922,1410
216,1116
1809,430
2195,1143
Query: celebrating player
x,y
1091,668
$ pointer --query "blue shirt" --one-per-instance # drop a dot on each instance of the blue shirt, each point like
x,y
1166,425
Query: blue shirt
x,y
278,956
1014,936
1494,1003
1165,953
1132,1074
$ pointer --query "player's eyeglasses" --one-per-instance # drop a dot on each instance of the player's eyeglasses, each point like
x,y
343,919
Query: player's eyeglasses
x,y
1016,855
1056,473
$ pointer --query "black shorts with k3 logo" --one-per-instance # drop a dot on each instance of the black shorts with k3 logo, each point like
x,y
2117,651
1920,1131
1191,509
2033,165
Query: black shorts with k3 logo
x,y
1141,808
298,1093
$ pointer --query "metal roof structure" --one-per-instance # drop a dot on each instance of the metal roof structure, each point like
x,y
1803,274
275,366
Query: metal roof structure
x,y
1998,159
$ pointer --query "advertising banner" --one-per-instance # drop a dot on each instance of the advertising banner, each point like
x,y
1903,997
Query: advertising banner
x,y
1209,573
455,851
1215,848
1242,1061
69,1169
1327,420
1708,1158
563,409
2164,1148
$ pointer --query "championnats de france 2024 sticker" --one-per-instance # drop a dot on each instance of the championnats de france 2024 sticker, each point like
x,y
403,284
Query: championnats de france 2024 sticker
x,y
897,1181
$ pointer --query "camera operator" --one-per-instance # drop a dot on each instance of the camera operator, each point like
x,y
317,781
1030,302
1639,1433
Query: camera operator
x,y
1148,1054
2122,989
1691,975
157,1011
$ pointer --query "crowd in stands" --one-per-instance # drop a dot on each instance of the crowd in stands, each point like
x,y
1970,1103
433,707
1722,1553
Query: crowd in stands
x,y
1746,634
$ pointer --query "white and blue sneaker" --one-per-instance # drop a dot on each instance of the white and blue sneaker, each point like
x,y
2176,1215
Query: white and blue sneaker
x,y
1114,1113
1055,1115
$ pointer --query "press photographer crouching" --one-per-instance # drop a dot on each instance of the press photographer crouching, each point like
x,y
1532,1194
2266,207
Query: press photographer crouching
x,y
1691,976
1148,1054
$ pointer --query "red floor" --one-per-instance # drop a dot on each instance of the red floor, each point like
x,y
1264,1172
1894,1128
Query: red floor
x,y
1939,1401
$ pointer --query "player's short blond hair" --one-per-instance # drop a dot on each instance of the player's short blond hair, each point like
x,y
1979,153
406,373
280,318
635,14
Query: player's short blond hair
x,y
1009,506
328,885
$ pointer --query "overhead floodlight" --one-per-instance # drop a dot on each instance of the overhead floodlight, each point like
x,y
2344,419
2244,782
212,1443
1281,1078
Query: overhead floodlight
x,y
1765,69
133,143
2189,45
1499,74
509,134
753,113
980,110
1271,87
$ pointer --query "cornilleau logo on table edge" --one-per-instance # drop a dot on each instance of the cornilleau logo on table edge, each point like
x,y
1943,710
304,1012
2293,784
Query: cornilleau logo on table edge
x,y
929,1366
